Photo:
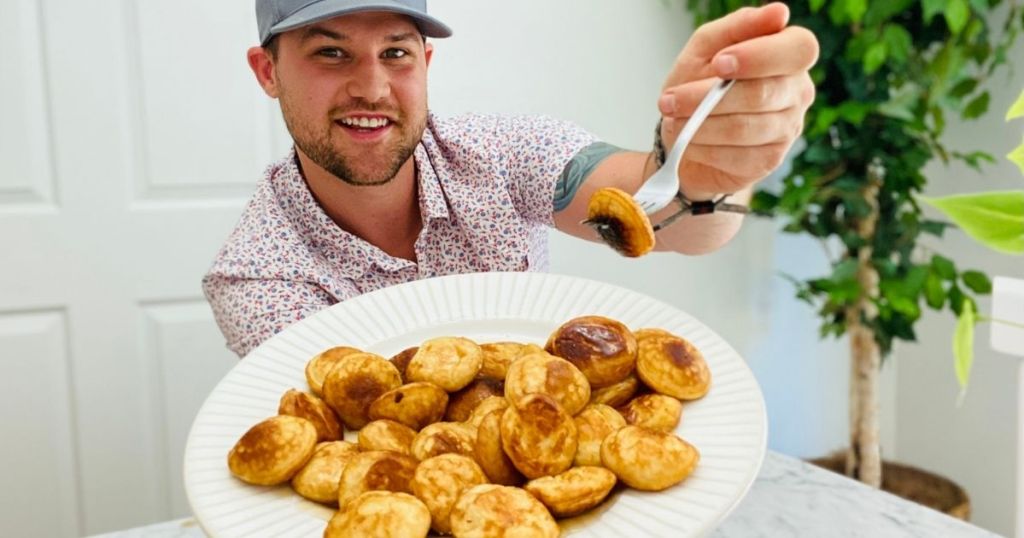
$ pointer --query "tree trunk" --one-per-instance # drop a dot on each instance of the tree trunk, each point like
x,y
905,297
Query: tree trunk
x,y
864,460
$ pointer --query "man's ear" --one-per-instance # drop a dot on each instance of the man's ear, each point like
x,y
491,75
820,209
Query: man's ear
x,y
263,67
428,52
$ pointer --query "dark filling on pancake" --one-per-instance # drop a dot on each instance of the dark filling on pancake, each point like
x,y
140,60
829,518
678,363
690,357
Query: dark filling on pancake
x,y
612,232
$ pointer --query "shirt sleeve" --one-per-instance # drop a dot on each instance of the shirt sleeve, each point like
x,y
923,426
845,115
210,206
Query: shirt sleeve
x,y
250,311
536,151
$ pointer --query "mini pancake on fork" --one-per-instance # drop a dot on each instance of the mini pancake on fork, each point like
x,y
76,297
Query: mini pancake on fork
x,y
621,222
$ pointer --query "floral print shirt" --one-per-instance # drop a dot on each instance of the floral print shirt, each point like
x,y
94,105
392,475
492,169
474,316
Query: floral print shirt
x,y
486,185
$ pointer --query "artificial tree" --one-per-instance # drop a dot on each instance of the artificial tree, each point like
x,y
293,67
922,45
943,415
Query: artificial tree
x,y
889,73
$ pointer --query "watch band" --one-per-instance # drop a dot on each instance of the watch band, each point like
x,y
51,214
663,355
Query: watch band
x,y
702,207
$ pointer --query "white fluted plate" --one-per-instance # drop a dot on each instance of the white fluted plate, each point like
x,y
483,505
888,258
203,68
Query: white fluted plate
x,y
727,426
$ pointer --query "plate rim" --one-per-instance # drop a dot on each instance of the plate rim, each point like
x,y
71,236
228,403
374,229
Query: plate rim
x,y
368,297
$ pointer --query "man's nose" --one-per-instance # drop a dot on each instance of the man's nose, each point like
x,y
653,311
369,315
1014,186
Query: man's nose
x,y
370,82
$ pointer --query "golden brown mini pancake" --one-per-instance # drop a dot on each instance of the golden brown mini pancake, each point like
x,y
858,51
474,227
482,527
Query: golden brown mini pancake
x,y
440,480
654,411
602,348
355,382
448,362
272,451
318,480
539,436
443,438
490,455
386,435
462,403
648,460
485,407
620,221
401,360
573,492
313,409
497,356
413,404
617,394
492,511
320,365
378,470
542,373
380,514
593,424
671,365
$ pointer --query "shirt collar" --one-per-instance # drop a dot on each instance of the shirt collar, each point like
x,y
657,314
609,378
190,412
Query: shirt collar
x,y
350,253
429,164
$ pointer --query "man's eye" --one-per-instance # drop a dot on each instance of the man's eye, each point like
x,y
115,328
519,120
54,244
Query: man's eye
x,y
395,53
331,52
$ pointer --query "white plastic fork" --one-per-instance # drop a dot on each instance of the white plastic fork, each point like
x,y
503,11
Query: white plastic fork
x,y
660,188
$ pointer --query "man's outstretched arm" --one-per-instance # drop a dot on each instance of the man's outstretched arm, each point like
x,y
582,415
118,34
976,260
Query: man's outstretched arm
x,y
746,137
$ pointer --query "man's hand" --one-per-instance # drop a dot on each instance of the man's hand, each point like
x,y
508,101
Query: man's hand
x,y
751,130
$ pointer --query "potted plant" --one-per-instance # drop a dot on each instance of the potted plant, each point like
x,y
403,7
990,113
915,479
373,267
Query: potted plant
x,y
890,72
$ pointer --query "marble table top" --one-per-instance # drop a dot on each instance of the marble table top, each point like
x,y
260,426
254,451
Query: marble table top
x,y
789,498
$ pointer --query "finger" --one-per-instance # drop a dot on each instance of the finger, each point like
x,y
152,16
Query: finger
x,y
743,129
750,163
788,52
694,62
757,95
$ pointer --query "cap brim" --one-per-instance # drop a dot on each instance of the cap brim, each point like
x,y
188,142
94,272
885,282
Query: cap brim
x,y
428,26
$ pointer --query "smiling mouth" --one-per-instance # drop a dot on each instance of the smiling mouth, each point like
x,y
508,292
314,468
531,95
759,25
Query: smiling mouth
x,y
365,124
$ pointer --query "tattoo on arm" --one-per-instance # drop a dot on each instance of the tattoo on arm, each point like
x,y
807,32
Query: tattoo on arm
x,y
578,170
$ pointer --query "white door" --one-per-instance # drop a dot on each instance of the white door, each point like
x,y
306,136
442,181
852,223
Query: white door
x,y
131,134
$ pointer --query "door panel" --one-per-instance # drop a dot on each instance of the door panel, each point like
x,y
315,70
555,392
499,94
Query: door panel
x,y
40,472
133,134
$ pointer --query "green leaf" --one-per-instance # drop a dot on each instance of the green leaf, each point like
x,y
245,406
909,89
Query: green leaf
x,y
956,299
875,56
879,12
901,102
1017,157
837,12
845,270
943,267
977,106
816,5
932,8
855,9
1017,108
957,12
963,344
994,219
933,227
933,292
977,281
854,112
964,87
824,119
898,41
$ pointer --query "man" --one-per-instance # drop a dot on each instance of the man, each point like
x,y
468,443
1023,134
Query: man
x,y
378,192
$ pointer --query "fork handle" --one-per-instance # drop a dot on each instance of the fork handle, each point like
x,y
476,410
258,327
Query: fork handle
x,y
704,109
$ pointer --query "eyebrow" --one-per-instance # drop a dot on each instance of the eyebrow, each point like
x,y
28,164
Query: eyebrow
x,y
319,31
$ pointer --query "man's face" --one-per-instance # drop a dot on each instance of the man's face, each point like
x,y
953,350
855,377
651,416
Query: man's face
x,y
353,93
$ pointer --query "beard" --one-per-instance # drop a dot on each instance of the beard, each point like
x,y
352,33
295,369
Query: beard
x,y
321,144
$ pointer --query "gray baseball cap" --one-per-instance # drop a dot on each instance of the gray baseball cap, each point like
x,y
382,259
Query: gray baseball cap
x,y
276,16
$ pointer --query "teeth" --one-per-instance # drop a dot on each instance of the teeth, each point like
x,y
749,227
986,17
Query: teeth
x,y
365,123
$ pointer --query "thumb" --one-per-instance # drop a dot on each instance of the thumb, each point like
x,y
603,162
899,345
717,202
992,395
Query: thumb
x,y
712,37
